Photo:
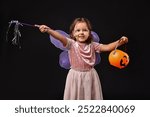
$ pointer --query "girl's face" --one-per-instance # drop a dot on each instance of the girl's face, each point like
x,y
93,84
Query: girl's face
x,y
81,32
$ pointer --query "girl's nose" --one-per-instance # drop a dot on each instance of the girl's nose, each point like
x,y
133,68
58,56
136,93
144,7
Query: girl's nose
x,y
81,32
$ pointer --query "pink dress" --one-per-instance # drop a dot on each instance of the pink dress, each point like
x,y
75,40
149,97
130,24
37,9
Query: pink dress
x,y
82,81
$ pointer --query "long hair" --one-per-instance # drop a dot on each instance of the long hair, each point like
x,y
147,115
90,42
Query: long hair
x,y
90,38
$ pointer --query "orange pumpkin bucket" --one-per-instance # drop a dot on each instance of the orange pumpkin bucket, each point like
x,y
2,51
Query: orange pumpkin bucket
x,y
118,58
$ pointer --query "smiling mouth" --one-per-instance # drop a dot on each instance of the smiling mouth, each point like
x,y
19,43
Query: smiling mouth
x,y
81,36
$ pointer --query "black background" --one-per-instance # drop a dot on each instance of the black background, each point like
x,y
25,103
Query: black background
x,y
33,72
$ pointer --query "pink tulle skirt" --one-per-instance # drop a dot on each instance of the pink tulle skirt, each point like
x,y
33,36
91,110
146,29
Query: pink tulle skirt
x,y
83,85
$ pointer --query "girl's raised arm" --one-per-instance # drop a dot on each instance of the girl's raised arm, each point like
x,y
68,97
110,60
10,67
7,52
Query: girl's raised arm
x,y
55,34
113,45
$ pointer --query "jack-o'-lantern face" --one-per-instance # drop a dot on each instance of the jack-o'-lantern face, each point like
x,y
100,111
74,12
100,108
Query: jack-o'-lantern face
x,y
124,61
118,58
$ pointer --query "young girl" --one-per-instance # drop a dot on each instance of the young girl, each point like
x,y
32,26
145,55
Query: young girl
x,y
82,81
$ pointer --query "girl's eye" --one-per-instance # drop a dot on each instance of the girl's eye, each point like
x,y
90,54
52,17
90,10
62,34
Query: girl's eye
x,y
78,30
85,30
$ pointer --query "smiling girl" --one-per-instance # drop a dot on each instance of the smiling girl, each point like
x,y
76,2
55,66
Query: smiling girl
x,y
83,82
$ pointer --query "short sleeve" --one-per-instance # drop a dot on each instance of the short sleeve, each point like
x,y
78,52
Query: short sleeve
x,y
97,46
69,43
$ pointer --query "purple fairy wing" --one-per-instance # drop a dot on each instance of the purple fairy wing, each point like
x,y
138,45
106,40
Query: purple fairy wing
x,y
95,36
96,39
64,60
98,58
63,57
56,42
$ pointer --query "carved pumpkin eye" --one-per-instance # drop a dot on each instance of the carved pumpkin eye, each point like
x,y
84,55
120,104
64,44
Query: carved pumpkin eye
x,y
118,58
123,61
